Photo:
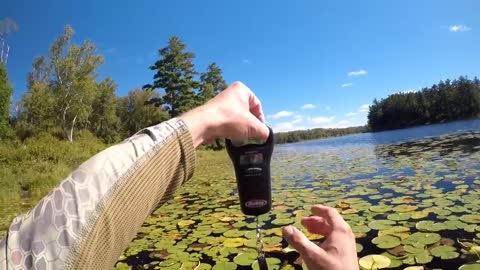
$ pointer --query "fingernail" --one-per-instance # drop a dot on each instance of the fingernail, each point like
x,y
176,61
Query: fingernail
x,y
288,231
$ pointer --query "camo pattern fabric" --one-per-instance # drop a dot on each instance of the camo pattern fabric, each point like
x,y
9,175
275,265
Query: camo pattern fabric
x,y
45,237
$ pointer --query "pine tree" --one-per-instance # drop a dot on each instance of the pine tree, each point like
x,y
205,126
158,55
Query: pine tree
x,y
175,75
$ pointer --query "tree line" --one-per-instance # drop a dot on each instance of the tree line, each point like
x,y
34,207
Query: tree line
x,y
446,101
64,96
316,133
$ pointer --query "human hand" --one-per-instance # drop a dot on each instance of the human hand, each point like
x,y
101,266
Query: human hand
x,y
235,113
337,251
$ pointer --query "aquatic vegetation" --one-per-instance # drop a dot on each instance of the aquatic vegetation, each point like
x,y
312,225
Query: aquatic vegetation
x,y
411,206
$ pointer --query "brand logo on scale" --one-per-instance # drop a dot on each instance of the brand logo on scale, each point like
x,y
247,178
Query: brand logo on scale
x,y
255,203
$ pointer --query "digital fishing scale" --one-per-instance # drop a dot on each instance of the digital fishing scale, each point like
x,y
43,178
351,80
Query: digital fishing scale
x,y
252,170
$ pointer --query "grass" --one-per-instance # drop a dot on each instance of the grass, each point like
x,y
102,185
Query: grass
x,y
30,169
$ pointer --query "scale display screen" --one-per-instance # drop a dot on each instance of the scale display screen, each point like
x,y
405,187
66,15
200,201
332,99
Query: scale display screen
x,y
251,159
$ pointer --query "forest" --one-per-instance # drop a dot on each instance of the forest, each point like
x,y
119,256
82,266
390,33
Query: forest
x,y
64,98
442,102
316,133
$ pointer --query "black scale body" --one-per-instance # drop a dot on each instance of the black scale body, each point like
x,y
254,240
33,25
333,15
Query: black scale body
x,y
252,170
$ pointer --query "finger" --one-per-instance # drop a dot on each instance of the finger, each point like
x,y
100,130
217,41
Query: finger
x,y
256,129
256,107
307,249
330,214
317,225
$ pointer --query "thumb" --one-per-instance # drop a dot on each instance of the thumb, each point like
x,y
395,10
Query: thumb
x,y
307,249
257,129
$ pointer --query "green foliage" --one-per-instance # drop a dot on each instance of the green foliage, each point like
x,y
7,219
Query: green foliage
x,y
445,101
5,100
316,133
211,81
30,169
175,75
104,121
136,111
73,80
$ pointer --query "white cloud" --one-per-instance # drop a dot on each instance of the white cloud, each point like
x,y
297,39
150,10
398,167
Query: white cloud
x,y
281,114
327,108
343,122
347,85
351,114
357,73
364,108
245,61
308,106
459,28
287,126
322,120
296,121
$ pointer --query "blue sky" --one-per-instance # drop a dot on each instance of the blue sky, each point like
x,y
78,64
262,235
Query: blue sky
x,y
312,63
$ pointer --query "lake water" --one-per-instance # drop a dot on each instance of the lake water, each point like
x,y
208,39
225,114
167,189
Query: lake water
x,y
409,195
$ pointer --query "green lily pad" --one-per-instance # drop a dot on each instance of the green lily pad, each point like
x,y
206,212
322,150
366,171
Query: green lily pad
x,y
359,247
380,208
386,241
234,242
245,259
444,252
233,233
398,216
185,223
272,263
474,266
423,238
224,266
374,262
283,221
381,224
430,226
405,208
472,219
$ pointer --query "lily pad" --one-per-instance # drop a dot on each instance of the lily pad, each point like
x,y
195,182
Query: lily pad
x,y
474,266
398,216
472,219
423,238
381,224
374,262
245,259
233,242
386,241
224,266
445,252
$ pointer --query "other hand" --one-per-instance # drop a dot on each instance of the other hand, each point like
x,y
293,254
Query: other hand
x,y
337,251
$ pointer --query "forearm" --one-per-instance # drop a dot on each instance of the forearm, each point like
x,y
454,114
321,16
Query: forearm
x,y
89,219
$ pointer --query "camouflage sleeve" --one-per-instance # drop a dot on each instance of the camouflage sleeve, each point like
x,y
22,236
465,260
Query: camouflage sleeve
x,y
90,217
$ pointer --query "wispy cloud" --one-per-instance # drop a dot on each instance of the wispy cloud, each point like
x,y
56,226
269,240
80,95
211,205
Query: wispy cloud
x,y
327,108
351,114
459,28
297,120
347,85
364,108
287,126
245,61
322,120
281,114
308,106
357,73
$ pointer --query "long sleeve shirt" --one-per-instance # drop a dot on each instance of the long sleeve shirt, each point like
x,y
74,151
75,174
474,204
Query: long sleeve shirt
x,y
87,221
